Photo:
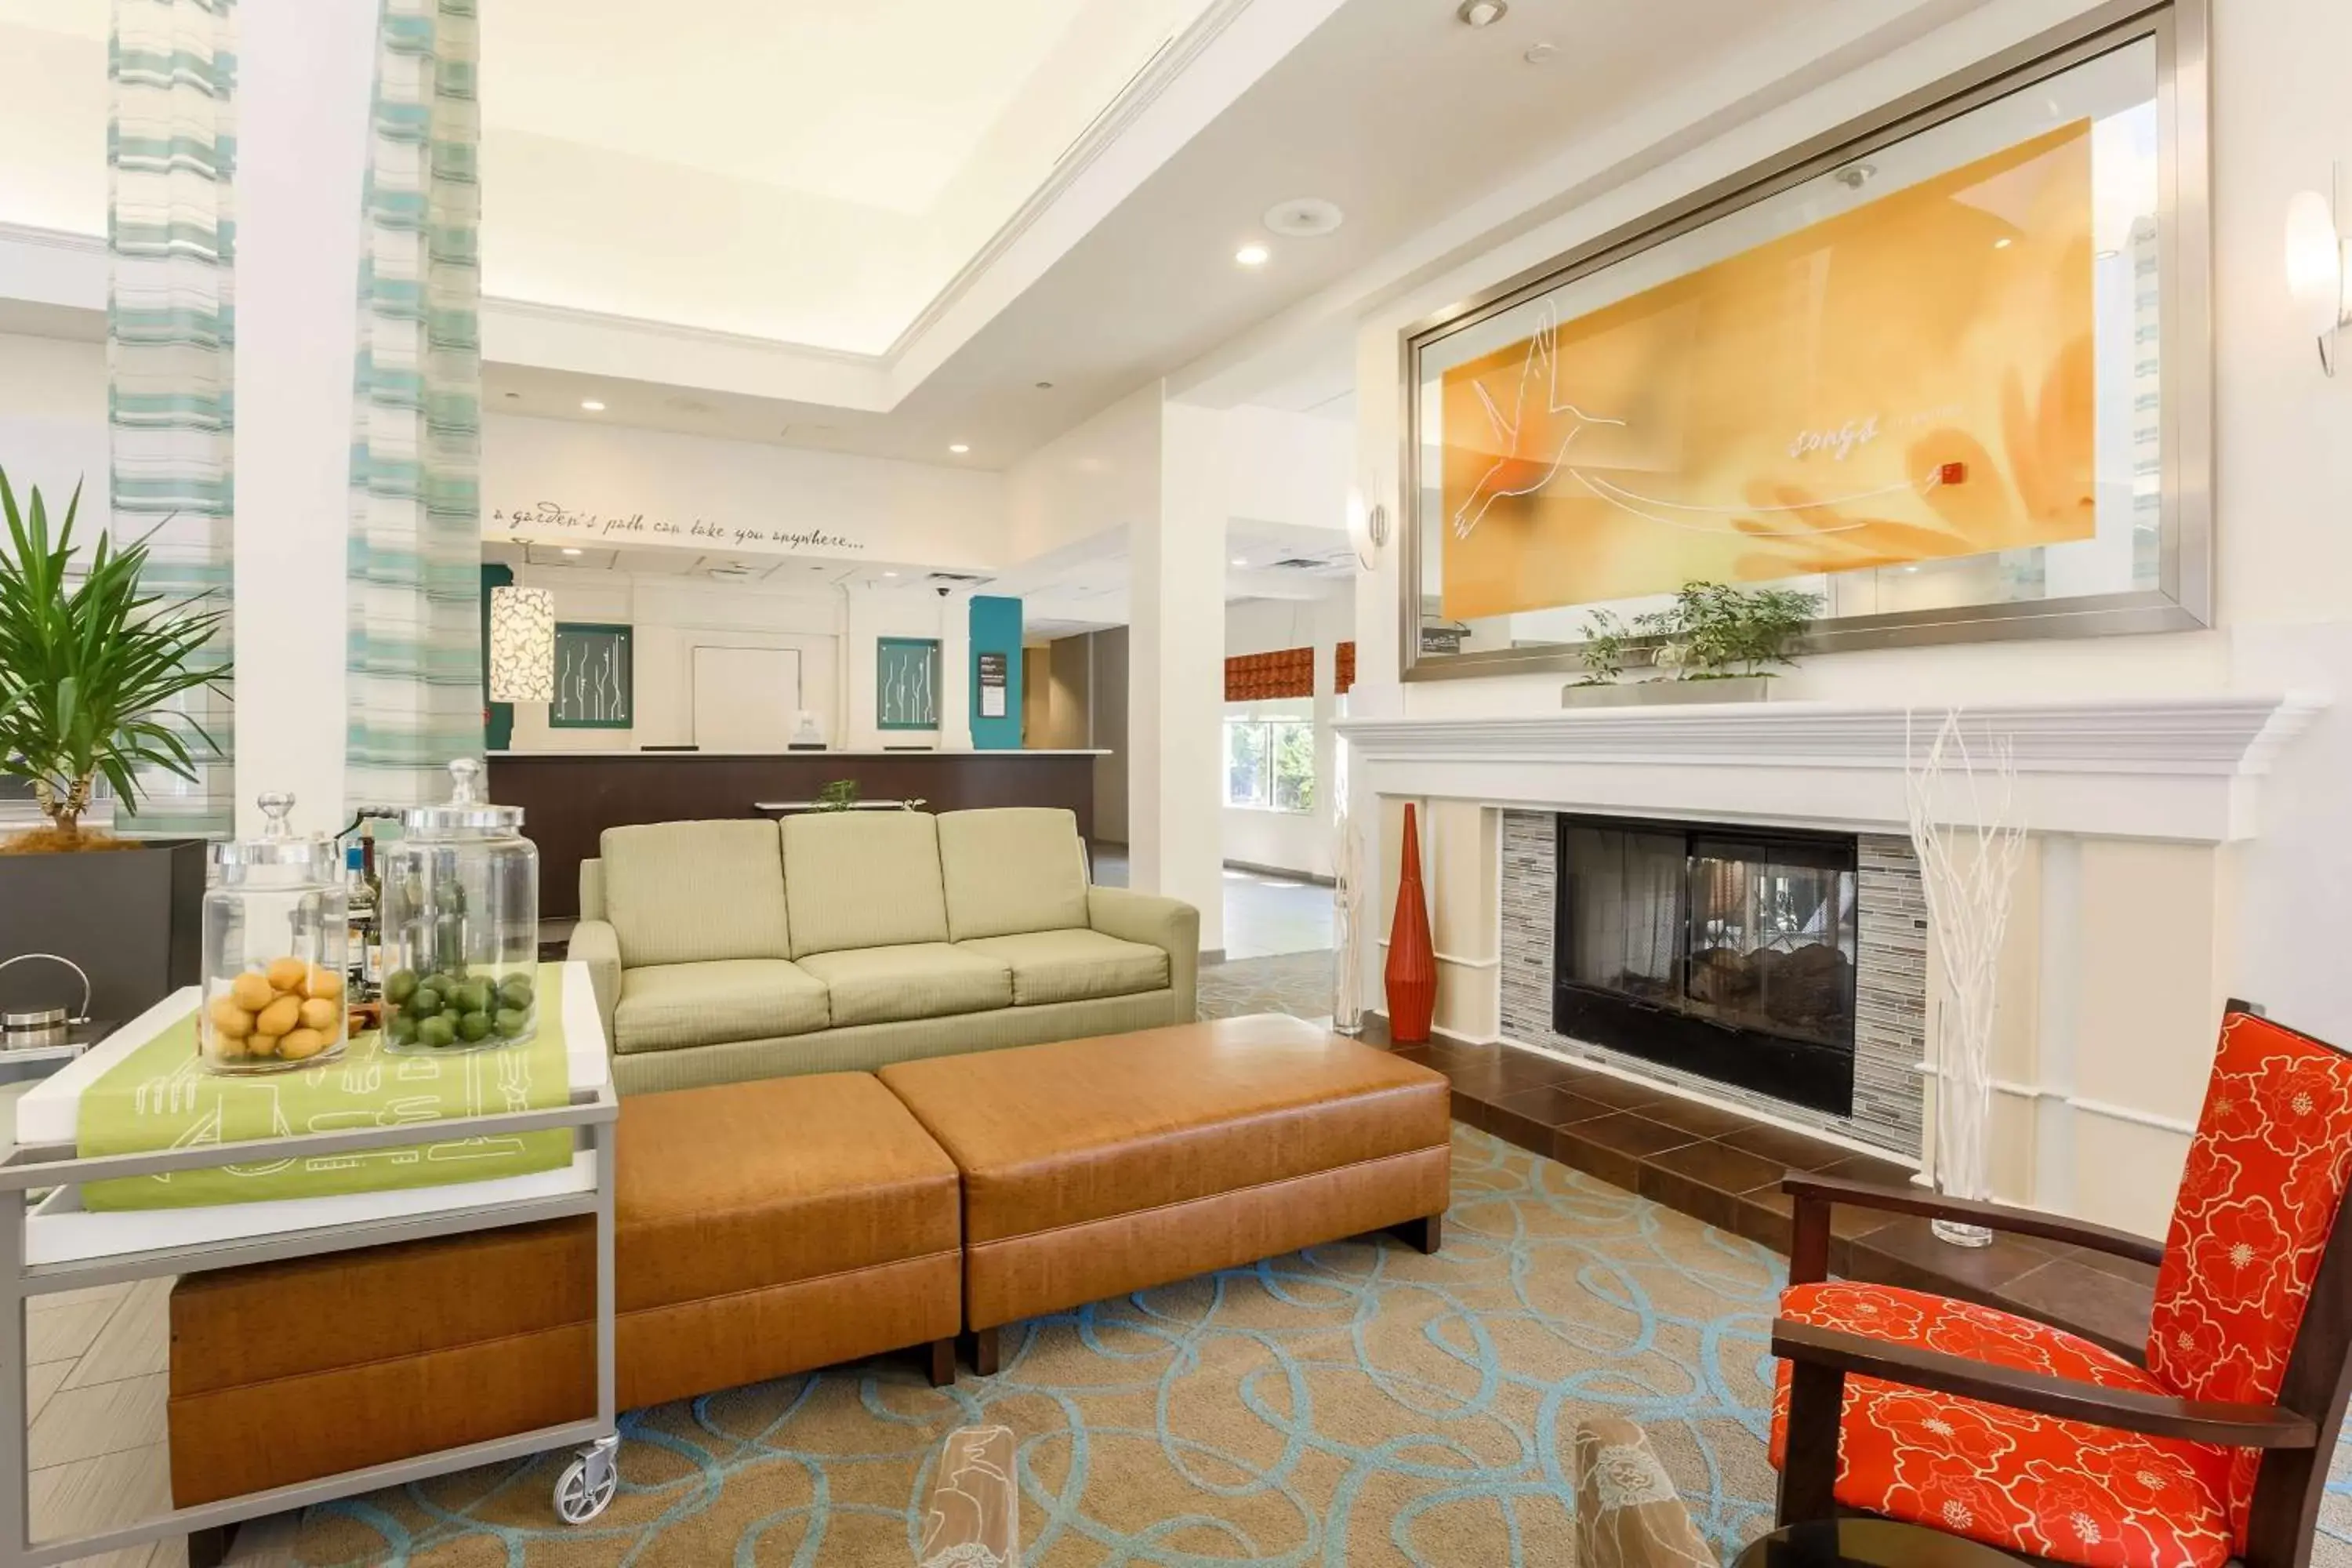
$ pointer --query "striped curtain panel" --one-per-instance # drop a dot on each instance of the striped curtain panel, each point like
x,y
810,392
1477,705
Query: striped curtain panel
x,y
171,237
415,652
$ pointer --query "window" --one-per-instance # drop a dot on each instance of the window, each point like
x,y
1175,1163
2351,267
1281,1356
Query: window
x,y
1270,763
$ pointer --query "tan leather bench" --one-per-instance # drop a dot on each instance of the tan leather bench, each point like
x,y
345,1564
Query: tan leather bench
x,y
760,1229
1092,1168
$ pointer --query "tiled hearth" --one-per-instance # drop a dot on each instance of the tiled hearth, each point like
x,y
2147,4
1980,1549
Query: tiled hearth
x,y
1726,1169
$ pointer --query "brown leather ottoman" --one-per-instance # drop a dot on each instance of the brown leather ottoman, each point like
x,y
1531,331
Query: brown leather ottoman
x,y
760,1229
1095,1167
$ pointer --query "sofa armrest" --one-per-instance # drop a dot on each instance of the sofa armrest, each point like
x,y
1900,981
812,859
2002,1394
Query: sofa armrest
x,y
591,891
596,944
1170,925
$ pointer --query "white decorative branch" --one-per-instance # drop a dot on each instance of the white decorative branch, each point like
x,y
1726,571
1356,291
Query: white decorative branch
x,y
1961,803
1346,908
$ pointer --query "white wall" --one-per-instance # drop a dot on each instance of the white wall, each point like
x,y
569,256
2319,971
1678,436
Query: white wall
x,y
1290,468
53,420
1101,477
671,617
583,483
1291,840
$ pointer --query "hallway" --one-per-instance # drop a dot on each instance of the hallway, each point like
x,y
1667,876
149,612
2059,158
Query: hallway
x,y
1266,914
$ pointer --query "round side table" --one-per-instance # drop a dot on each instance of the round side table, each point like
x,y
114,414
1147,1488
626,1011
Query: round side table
x,y
1868,1543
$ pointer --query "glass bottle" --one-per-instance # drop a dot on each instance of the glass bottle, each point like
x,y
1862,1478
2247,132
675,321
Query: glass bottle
x,y
366,952
275,933
459,909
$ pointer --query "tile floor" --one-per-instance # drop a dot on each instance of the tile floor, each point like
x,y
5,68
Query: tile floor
x,y
1266,914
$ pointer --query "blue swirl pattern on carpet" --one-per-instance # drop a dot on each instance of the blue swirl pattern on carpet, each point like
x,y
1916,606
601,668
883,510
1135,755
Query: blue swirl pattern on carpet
x,y
1355,1404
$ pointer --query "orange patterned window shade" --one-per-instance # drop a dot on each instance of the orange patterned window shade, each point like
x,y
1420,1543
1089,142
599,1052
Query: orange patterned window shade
x,y
1286,672
1346,669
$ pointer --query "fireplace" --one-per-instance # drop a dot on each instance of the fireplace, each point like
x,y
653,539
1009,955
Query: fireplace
x,y
1726,951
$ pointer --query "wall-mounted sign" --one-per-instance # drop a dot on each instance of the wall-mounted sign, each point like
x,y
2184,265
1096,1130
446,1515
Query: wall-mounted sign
x,y
560,524
995,677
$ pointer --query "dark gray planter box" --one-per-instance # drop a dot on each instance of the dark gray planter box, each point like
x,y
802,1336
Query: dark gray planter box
x,y
131,918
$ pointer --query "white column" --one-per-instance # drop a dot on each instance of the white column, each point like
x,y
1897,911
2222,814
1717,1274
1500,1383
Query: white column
x,y
955,672
1176,672
305,70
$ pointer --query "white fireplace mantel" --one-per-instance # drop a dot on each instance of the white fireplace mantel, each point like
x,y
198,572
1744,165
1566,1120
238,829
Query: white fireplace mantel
x,y
2178,768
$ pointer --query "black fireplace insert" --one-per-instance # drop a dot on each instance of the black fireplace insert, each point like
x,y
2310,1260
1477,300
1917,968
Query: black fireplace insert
x,y
1725,951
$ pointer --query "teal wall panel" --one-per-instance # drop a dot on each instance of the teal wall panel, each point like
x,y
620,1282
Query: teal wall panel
x,y
995,667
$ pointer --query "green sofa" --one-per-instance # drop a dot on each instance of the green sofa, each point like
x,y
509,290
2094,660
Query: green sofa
x,y
845,941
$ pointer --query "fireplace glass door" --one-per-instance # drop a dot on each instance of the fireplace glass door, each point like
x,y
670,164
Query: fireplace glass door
x,y
1726,953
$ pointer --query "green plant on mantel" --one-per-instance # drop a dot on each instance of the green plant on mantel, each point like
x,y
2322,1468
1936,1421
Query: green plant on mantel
x,y
1715,632
1606,639
87,664
841,794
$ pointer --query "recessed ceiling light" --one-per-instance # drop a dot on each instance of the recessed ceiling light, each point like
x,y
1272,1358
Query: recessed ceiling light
x,y
1253,255
1540,53
890,573
592,406
572,550
512,396
2109,255
1241,560
959,448
2003,243
1482,13
1044,386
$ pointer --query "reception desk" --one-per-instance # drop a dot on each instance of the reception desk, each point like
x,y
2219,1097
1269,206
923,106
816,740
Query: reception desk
x,y
569,798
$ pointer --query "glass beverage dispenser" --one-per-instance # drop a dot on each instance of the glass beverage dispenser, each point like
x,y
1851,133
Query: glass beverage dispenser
x,y
460,916
274,948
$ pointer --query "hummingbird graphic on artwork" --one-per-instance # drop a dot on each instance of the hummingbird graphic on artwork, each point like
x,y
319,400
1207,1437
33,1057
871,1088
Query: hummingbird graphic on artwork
x,y
1533,435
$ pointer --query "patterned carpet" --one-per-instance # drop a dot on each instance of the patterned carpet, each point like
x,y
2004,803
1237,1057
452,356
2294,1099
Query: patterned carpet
x,y
1354,1404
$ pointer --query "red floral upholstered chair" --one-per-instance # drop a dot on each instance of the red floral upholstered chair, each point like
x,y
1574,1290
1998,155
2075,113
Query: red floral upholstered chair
x,y
2027,1437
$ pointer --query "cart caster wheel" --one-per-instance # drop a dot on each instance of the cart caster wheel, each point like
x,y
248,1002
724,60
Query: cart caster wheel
x,y
586,1486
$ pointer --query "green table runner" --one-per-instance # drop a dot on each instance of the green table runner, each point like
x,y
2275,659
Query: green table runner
x,y
161,1097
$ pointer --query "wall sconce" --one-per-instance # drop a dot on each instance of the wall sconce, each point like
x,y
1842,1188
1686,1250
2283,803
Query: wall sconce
x,y
522,645
2318,268
1368,527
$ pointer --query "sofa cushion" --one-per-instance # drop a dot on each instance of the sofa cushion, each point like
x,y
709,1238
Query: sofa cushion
x,y
1011,869
666,1005
920,979
863,879
684,892
1074,966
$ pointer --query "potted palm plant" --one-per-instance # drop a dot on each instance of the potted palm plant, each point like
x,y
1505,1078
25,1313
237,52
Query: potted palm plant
x,y
89,663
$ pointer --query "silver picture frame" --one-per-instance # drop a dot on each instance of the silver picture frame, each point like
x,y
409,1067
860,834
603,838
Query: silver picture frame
x,y
2183,599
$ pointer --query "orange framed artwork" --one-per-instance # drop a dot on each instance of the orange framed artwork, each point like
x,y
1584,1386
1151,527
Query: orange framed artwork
x,y
1908,380
1948,371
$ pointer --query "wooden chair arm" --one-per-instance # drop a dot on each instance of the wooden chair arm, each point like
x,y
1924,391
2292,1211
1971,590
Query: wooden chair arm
x,y
2158,1415
1994,1217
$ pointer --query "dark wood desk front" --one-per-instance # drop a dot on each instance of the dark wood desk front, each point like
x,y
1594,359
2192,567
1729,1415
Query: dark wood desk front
x,y
570,799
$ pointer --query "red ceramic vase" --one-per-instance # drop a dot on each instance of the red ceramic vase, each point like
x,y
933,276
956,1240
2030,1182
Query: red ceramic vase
x,y
1412,963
